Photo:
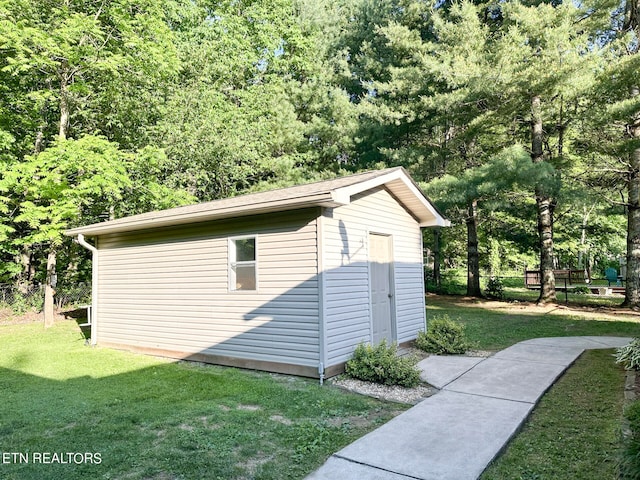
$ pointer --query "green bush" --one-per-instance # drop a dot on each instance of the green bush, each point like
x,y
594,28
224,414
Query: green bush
x,y
381,364
630,462
443,336
629,355
582,290
452,282
21,303
495,288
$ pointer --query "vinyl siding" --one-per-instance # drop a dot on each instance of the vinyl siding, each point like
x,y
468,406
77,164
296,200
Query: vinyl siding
x,y
345,252
168,290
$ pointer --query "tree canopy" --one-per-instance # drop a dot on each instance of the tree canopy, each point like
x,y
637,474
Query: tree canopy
x,y
521,119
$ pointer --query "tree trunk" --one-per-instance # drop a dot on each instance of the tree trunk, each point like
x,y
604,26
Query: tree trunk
x,y
64,109
49,291
545,206
473,258
632,18
632,289
582,252
50,282
436,259
28,269
545,233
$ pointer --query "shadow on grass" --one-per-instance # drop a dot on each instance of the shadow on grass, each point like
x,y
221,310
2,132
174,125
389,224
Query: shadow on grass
x,y
165,420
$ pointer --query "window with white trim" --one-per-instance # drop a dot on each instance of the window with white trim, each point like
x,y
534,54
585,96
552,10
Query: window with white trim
x,y
242,264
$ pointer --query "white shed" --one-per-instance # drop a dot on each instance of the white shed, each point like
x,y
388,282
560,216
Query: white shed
x,y
289,280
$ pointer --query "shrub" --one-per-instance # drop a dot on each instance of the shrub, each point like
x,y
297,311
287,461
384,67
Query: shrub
x,y
381,364
443,336
630,464
495,288
629,355
582,290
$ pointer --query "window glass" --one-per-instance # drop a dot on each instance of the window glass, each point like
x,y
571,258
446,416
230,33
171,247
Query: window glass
x,y
242,264
245,250
245,277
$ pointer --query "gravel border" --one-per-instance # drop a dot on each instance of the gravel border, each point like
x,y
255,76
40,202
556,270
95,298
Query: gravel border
x,y
392,393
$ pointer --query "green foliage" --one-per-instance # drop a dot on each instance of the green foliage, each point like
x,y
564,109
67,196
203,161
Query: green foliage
x,y
381,364
582,290
443,336
202,100
23,302
258,66
630,462
63,185
629,355
495,288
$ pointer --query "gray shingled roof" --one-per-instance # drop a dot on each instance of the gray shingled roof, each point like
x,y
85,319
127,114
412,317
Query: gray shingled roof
x,y
328,193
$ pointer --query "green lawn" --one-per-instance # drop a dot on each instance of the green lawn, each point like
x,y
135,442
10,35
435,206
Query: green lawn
x,y
497,325
150,418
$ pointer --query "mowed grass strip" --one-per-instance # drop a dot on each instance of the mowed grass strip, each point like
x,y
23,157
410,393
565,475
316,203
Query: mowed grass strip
x,y
151,418
575,431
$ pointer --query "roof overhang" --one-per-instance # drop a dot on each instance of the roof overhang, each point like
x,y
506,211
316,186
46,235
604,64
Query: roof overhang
x,y
400,184
396,181
181,218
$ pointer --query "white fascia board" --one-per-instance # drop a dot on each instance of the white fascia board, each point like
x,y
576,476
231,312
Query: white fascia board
x,y
343,195
437,222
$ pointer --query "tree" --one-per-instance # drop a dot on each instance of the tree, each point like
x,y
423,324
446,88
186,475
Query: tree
x,y
544,57
71,183
442,90
487,187
63,59
614,130
261,68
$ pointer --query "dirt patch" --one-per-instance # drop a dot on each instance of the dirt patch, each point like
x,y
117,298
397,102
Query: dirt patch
x,y
251,465
250,408
358,421
587,311
280,419
9,317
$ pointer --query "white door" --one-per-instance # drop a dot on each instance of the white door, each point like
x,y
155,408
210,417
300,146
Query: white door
x,y
380,258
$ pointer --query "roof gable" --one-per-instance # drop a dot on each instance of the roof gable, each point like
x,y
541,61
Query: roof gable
x,y
328,193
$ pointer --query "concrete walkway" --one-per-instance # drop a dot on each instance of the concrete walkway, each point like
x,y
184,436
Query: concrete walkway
x,y
455,434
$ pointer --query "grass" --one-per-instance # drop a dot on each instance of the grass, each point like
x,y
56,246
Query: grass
x,y
574,432
150,418
497,325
